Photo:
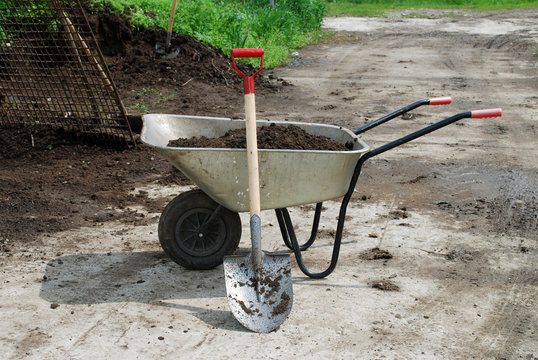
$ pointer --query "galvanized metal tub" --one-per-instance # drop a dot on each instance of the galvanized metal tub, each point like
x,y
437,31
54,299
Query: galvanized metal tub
x,y
287,177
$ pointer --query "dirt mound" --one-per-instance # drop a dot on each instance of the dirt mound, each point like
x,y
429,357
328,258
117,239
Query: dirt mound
x,y
269,137
385,285
52,182
130,55
375,254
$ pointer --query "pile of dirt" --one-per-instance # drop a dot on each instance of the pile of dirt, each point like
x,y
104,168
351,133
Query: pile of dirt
x,y
375,254
130,55
385,285
52,182
269,137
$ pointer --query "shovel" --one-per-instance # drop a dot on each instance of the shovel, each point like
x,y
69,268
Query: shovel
x,y
259,285
164,51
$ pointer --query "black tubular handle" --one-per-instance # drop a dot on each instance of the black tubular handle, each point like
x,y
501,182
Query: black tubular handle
x,y
353,182
445,100
469,114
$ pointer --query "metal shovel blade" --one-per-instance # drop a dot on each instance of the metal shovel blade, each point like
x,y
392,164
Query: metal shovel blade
x,y
164,52
259,305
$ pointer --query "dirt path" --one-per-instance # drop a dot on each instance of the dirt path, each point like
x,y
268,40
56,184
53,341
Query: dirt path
x,y
457,210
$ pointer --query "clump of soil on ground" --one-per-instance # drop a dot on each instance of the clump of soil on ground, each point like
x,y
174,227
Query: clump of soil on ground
x,y
459,254
375,254
269,137
385,285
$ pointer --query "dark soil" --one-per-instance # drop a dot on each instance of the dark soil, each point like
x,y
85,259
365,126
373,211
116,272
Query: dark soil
x,y
375,254
61,183
385,285
131,55
199,81
269,137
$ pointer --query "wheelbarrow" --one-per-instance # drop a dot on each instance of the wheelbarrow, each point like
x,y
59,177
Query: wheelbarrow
x,y
198,228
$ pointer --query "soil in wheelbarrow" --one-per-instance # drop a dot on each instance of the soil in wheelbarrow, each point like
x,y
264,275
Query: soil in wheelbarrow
x,y
269,137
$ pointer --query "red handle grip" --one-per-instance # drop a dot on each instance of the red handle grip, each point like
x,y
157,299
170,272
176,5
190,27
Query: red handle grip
x,y
445,100
247,53
248,81
486,113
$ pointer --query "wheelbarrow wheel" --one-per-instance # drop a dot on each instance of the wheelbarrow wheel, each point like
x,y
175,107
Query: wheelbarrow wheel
x,y
192,237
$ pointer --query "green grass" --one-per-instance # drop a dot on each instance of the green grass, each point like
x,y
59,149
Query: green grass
x,y
380,7
228,24
17,17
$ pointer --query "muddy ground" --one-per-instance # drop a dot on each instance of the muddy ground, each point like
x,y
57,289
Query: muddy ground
x,y
83,273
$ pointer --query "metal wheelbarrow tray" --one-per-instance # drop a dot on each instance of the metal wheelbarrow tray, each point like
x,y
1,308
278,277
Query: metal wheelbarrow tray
x,y
199,227
287,177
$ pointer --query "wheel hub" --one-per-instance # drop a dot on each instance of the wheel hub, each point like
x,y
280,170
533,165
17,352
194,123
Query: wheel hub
x,y
195,236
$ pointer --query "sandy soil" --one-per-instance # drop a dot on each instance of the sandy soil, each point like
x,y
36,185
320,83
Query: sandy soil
x,y
457,210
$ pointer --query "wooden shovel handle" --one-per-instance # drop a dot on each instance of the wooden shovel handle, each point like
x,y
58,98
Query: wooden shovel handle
x,y
172,15
170,25
252,155
250,114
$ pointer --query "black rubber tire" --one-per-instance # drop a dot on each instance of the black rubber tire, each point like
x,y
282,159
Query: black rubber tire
x,y
188,243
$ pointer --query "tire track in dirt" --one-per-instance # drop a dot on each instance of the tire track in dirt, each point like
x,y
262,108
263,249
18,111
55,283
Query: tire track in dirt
x,y
512,318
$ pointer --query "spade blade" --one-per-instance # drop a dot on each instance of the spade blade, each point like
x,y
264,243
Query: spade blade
x,y
260,299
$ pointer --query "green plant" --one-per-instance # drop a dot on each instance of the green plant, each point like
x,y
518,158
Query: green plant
x,y
238,37
139,107
165,98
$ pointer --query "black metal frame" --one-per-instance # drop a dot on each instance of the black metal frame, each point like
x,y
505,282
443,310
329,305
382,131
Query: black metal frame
x,y
284,218
53,74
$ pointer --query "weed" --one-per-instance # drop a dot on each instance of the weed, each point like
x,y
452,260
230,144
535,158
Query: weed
x,y
140,108
165,98
238,37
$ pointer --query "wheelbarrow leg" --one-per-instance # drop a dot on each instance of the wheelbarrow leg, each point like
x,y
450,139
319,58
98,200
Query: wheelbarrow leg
x,y
343,207
339,229
284,229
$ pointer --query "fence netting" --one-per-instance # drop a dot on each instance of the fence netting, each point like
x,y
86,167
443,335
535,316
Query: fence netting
x,y
52,72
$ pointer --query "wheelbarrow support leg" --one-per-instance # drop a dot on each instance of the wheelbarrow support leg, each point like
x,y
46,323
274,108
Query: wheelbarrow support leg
x,y
284,228
339,228
347,197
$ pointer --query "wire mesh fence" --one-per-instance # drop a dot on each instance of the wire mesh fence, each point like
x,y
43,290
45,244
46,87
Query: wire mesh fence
x,y
52,72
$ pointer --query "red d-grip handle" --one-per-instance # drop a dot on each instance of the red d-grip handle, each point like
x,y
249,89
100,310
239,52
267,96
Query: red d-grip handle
x,y
445,100
247,53
486,113
248,81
